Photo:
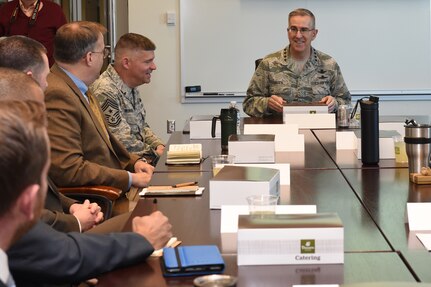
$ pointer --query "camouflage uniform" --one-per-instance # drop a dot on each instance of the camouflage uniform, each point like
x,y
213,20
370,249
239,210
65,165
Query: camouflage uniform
x,y
125,114
275,75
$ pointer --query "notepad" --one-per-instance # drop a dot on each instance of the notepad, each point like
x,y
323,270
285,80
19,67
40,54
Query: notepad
x,y
184,154
192,260
171,191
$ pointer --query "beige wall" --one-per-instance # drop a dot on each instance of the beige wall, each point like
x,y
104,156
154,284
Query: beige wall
x,y
162,97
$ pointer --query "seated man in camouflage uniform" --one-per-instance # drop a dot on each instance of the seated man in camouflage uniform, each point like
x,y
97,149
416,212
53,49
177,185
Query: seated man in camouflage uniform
x,y
117,93
298,73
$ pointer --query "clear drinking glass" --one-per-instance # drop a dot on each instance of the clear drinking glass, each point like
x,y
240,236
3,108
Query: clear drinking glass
x,y
219,161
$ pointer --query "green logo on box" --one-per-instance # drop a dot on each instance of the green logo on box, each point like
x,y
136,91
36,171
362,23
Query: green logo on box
x,y
308,246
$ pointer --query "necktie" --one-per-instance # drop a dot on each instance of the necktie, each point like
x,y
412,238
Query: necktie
x,y
96,111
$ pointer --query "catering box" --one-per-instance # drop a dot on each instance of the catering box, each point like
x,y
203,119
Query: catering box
x,y
252,148
284,169
286,135
200,127
308,115
311,121
233,184
305,108
229,221
296,239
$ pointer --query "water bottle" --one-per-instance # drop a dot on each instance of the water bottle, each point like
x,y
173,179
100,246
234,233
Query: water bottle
x,y
233,105
228,118
370,130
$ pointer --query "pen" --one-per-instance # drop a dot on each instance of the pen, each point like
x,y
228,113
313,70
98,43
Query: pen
x,y
154,204
185,184
218,94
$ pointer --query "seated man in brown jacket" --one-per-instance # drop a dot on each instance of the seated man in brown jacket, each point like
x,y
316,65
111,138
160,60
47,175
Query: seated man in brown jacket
x,y
29,56
83,151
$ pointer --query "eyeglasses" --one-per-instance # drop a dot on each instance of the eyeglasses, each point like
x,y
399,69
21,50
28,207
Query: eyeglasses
x,y
303,30
106,51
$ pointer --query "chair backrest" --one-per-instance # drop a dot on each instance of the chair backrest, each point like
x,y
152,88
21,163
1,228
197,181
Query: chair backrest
x,y
104,203
77,194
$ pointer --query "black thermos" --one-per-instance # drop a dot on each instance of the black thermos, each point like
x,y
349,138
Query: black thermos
x,y
370,130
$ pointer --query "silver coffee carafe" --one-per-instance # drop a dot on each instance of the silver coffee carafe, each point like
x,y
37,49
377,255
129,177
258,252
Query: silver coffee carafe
x,y
418,145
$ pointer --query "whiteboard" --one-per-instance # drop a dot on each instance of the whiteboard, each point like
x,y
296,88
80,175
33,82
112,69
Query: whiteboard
x,y
379,44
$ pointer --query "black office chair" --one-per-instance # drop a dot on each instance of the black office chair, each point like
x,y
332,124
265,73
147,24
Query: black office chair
x,y
257,62
104,196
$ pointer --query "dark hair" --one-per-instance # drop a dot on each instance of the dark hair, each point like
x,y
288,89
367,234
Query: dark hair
x,y
73,40
22,53
303,12
24,148
132,41
17,85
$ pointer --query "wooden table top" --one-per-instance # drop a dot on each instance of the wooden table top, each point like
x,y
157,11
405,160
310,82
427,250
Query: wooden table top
x,y
385,193
191,215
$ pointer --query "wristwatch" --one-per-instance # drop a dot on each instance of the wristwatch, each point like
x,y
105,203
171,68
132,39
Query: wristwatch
x,y
143,159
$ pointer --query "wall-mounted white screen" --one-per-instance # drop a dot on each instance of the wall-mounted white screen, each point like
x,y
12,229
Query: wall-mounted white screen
x,y
379,44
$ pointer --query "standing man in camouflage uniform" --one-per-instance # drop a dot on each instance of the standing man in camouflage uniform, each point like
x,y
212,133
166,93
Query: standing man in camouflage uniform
x,y
117,93
298,73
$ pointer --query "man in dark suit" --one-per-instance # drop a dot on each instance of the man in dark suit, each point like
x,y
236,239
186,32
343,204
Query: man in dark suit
x,y
83,151
23,169
29,56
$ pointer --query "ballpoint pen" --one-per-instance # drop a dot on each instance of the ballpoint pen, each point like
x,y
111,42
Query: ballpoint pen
x,y
185,184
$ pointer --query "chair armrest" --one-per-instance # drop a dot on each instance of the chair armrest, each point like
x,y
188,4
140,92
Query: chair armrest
x,y
109,192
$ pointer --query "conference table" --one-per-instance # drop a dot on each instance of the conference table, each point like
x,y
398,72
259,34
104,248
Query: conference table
x,y
371,202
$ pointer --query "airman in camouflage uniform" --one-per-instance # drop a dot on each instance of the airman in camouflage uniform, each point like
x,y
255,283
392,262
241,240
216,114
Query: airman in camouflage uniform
x,y
318,79
122,104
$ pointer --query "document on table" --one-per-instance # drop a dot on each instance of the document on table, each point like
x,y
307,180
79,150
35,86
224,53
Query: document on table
x,y
418,214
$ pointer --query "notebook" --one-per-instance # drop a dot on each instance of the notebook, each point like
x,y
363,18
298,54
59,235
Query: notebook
x,y
184,154
192,260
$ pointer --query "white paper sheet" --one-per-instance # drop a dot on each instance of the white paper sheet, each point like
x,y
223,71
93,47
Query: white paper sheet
x,y
419,214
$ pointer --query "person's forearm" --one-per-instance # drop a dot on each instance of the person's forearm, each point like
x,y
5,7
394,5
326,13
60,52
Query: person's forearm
x,y
45,255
